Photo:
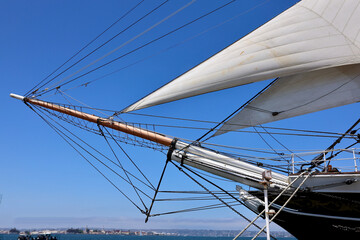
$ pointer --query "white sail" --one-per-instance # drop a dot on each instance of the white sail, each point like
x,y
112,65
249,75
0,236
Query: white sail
x,y
300,94
312,35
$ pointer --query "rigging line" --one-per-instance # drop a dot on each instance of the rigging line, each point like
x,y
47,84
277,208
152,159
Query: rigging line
x,y
127,155
113,24
195,192
131,25
272,202
99,111
209,176
217,186
271,135
146,44
236,153
171,47
214,195
180,199
243,131
334,155
283,206
205,121
317,160
232,124
157,190
94,149
322,96
92,154
64,136
127,176
129,41
92,130
217,125
206,207
280,154
258,109
237,110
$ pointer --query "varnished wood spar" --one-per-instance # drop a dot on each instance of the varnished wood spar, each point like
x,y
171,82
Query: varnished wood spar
x,y
138,132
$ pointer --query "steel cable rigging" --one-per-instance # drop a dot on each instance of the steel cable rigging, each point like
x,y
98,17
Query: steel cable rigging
x,y
136,49
75,145
33,90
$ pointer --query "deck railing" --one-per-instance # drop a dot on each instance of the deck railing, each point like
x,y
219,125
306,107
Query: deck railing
x,y
348,162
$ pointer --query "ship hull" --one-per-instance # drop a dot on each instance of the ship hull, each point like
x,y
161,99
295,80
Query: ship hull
x,y
318,227
312,215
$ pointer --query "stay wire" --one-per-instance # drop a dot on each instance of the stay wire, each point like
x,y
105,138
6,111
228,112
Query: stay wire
x,y
125,43
228,117
271,135
279,154
212,183
213,122
113,24
214,195
65,137
127,155
94,155
127,176
195,209
157,190
195,192
138,48
168,48
97,151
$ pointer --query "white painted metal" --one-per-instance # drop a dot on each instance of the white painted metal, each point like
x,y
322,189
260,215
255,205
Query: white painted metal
x,y
356,169
266,201
331,182
200,157
16,96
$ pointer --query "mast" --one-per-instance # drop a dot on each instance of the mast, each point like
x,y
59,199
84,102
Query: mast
x,y
182,152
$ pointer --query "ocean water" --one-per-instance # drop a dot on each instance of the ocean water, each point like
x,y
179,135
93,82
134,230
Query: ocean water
x,y
117,237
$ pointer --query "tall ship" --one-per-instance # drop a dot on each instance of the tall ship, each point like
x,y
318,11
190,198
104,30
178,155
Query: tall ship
x,y
310,57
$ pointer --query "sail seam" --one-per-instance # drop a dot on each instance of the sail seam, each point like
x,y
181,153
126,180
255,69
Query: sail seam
x,y
330,23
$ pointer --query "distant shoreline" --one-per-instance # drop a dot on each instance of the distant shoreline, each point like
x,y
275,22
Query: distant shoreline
x,y
140,232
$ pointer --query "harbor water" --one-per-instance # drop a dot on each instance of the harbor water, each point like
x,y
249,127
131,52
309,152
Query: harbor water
x,y
119,237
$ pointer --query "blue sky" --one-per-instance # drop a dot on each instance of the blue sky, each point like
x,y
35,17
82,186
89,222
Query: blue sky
x,y
43,181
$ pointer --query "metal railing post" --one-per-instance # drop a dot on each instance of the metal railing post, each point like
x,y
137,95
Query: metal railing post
x,y
356,169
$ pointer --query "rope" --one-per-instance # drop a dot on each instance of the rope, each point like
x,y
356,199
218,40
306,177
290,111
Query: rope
x,y
127,176
66,138
127,155
96,157
283,206
101,110
156,191
282,192
151,187
214,195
